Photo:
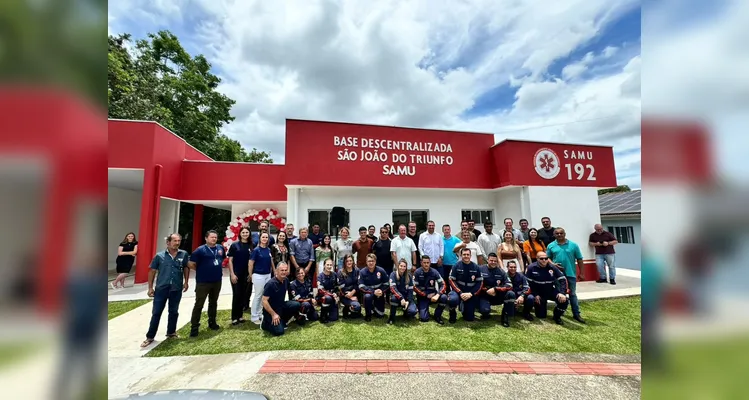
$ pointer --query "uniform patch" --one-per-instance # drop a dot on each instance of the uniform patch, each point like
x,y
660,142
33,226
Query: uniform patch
x,y
378,275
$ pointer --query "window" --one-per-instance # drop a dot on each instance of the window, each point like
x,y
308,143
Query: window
x,y
623,234
322,217
480,216
405,216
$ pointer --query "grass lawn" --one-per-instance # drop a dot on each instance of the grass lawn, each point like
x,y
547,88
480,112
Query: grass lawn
x,y
13,352
613,327
706,369
117,308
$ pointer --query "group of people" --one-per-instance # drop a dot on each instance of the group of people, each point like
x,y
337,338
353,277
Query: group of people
x,y
293,277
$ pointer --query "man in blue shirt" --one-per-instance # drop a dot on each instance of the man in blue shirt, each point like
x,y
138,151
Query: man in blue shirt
x,y
276,311
263,227
207,262
449,258
169,267
566,255
302,252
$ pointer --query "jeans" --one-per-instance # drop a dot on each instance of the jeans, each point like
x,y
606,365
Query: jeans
x,y
610,260
258,285
210,291
290,309
572,283
160,298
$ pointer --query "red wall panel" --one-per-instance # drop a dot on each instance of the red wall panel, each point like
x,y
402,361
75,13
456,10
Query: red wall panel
x,y
131,144
316,154
229,181
522,163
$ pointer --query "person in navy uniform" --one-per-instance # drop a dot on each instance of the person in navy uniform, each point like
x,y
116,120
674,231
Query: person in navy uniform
x,y
547,282
239,261
430,288
466,282
301,291
207,262
523,296
276,311
401,292
497,290
327,296
373,283
348,285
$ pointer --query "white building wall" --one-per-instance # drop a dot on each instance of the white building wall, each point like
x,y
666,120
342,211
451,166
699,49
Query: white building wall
x,y
123,213
628,255
375,205
509,205
572,208
168,221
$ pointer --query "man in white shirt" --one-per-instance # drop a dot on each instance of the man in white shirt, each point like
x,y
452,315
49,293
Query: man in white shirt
x,y
489,241
432,245
403,247
477,255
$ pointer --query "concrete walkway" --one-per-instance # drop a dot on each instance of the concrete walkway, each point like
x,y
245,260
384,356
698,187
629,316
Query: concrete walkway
x,y
129,372
242,371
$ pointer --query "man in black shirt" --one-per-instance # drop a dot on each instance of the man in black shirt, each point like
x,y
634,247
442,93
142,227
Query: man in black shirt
x,y
276,311
472,228
415,237
381,250
546,234
371,233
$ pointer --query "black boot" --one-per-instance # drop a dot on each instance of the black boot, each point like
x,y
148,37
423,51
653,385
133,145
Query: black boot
x,y
391,319
324,315
453,316
558,316
505,320
346,312
528,316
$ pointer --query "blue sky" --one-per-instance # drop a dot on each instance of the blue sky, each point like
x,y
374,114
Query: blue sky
x,y
532,70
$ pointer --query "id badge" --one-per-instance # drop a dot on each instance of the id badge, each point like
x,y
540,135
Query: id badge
x,y
215,262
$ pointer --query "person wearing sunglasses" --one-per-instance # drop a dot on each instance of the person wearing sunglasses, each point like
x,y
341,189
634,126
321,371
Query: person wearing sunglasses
x,y
547,282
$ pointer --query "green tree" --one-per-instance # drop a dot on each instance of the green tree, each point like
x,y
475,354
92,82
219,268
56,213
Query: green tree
x,y
618,189
157,80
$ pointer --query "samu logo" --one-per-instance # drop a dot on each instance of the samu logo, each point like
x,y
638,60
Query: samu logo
x,y
546,163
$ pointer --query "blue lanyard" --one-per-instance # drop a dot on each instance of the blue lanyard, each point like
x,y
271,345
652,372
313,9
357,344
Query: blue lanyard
x,y
213,251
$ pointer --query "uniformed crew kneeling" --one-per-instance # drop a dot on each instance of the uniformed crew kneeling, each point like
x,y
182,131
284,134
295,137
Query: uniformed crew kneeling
x,y
472,286
402,292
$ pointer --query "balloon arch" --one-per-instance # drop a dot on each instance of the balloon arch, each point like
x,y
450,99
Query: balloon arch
x,y
244,219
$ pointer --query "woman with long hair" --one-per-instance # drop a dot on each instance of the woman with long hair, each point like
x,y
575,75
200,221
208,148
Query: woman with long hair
x,y
401,292
509,250
280,253
343,247
323,252
533,245
239,262
126,252
348,285
327,296
390,230
261,268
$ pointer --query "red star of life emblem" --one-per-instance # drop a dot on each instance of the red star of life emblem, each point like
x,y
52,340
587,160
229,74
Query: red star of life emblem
x,y
546,162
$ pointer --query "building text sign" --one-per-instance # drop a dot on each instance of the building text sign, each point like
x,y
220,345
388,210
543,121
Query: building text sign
x,y
397,157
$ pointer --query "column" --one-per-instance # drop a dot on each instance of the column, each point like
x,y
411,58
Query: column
x,y
149,222
197,227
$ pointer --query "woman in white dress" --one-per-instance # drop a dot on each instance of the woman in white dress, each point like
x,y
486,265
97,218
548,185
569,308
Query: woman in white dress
x,y
342,247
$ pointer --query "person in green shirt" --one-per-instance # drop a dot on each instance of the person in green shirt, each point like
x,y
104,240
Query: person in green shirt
x,y
566,255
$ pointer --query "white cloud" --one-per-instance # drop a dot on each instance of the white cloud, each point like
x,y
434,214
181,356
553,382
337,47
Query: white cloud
x,y
360,62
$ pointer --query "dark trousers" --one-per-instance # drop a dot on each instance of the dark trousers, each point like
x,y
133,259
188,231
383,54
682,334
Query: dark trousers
x,y
160,298
328,308
352,305
239,294
541,308
290,309
308,310
372,302
423,305
408,313
444,271
469,306
247,296
528,302
507,298
203,291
